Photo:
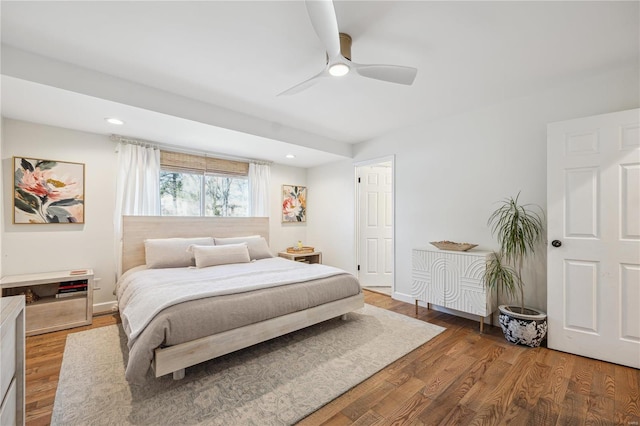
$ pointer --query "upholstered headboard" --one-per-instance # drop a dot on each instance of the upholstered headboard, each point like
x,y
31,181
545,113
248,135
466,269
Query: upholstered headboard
x,y
135,229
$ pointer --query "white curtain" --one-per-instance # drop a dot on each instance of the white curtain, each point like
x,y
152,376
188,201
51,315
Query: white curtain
x,y
259,179
137,187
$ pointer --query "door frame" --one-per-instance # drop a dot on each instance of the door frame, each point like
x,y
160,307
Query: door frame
x,y
356,167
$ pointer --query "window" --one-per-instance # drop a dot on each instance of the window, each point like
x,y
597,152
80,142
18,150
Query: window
x,y
226,196
202,186
180,194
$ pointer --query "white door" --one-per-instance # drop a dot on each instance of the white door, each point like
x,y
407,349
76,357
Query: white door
x,y
375,245
593,202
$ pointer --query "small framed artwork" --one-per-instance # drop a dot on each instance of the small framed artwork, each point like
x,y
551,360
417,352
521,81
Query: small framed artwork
x,y
47,191
294,203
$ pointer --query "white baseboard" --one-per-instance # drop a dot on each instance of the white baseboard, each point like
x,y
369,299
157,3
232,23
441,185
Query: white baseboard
x,y
410,299
403,297
105,308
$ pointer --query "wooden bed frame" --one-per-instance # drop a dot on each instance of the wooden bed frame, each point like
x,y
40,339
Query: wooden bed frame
x,y
174,359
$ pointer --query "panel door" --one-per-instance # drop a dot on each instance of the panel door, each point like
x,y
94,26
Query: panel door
x,y
376,225
593,201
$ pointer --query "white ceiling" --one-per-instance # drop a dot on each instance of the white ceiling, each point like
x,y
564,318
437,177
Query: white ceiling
x,y
231,58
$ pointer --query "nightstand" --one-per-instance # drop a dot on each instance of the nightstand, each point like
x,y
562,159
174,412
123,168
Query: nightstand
x,y
314,257
65,299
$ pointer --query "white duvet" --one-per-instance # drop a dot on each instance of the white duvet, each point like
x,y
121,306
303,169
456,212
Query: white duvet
x,y
141,296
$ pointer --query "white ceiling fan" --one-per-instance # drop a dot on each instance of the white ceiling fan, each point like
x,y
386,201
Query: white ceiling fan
x,y
338,47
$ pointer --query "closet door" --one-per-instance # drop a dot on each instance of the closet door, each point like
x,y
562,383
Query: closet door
x,y
375,251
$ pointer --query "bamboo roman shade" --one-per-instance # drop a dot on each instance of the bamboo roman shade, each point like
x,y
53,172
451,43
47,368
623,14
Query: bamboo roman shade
x,y
181,162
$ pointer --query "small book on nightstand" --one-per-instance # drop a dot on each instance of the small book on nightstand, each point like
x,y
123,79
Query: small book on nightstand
x,y
71,294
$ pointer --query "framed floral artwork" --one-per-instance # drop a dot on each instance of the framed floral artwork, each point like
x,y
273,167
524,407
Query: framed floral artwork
x,y
294,203
47,191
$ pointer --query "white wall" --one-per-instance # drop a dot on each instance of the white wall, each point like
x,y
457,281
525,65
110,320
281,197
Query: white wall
x,y
1,189
54,247
331,213
283,235
449,173
40,248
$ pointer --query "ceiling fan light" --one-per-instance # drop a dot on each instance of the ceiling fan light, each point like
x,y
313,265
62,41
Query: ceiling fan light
x,y
338,70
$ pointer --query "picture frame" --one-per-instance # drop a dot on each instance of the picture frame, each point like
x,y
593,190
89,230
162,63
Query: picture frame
x,y
47,191
294,204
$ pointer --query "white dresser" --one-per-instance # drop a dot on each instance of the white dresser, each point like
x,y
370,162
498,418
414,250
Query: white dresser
x,y
12,380
452,279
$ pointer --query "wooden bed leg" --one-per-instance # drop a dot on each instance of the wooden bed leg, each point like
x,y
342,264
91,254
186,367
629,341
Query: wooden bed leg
x,y
344,317
481,325
179,374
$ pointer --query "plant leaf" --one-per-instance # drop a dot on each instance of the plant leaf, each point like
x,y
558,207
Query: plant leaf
x,y
66,202
19,204
501,276
518,228
27,198
59,214
26,165
46,165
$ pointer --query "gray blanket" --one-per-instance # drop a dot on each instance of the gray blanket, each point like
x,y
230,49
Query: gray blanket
x,y
217,308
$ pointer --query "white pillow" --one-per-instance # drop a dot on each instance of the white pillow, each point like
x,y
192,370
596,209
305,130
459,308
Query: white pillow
x,y
220,255
258,247
171,252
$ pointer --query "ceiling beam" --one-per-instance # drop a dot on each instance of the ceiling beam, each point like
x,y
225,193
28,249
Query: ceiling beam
x,y
39,69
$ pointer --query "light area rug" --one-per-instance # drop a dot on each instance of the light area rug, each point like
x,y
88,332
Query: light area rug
x,y
277,382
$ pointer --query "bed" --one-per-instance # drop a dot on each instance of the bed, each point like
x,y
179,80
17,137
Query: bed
x,y
282,296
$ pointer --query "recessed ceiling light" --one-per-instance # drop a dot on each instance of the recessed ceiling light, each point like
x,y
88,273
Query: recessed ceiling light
x,y
338,70
290,156
116,121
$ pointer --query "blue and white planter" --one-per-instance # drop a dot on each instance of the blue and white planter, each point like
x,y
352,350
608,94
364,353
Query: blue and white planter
x,y
523,329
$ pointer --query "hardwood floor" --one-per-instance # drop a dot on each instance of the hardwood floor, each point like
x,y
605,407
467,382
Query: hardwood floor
x,y
43,361
459,377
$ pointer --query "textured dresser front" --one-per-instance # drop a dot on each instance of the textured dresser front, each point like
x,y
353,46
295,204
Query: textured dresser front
x,y
452,280
12,370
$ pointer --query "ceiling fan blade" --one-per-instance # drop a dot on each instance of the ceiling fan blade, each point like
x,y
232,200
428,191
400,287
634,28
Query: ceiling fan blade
x,y
391,73
324,21
304,85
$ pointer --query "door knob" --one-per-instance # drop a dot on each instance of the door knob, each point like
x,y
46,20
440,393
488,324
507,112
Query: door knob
x,y
556,243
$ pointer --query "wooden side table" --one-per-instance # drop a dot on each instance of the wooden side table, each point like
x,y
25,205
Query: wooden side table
x,y
51,312
314,257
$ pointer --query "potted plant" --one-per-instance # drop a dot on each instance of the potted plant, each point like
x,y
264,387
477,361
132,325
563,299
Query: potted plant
x,y
518,228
